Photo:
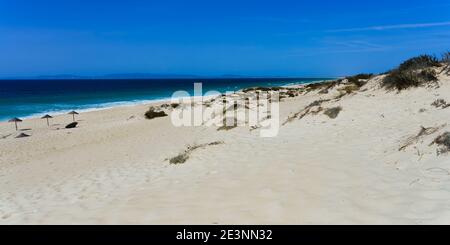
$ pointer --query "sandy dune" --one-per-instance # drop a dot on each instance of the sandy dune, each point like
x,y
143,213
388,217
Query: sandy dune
x,y
113,168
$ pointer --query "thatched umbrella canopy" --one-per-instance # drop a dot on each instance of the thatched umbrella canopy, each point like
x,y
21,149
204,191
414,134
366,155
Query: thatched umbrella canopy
x,y
15,120
47,117
73,113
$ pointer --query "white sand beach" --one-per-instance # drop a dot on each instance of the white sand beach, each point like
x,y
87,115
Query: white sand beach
x,y
114,168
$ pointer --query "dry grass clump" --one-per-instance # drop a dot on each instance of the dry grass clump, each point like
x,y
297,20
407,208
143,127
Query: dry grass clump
x,y
401,80
440,103
323,87
333,112
446,61
414,72
309,109
170,106
354,83
184,156
422,133
292,94
443,141
446,58
263,89
360,79
153,113
348,89
181,158
420,62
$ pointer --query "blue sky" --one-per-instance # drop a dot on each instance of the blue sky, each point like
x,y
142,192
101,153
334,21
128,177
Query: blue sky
x,y
212,38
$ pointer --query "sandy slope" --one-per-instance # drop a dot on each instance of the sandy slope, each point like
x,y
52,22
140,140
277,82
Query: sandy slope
x,y
348,170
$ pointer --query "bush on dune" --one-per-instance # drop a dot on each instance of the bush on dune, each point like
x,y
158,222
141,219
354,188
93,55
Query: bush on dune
x,y
404,79
443,141
446,58
414,72
420,62
446,61
153,113
356,80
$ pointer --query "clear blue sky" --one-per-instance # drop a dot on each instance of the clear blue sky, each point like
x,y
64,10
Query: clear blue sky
x,y
292,38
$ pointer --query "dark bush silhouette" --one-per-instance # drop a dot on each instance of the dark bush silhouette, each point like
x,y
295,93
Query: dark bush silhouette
x,y
443,141
414,72
152,113
419,62
404,79
446,58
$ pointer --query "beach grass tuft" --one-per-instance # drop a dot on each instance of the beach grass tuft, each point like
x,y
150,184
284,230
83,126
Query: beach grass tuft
x,y
333,112
184,156
422,133
440,103
443,141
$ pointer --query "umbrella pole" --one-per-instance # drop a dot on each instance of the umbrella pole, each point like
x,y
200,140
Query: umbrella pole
x,y
48,124
16,126
73,115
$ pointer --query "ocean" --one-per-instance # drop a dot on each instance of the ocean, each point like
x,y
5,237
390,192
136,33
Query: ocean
x,y
34,98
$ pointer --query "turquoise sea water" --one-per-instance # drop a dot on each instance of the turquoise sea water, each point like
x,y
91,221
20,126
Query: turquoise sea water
x,y
32,98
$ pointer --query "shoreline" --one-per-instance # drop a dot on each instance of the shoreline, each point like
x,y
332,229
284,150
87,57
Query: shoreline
x,y
150,102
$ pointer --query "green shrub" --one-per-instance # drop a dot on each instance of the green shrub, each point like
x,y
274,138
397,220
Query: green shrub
x,y
356,79
152,113
446,58
401,79
419,62
428,75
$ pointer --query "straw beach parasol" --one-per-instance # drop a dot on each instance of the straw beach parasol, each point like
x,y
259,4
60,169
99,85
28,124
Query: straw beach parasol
x,y
47,117
15,120
73,113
